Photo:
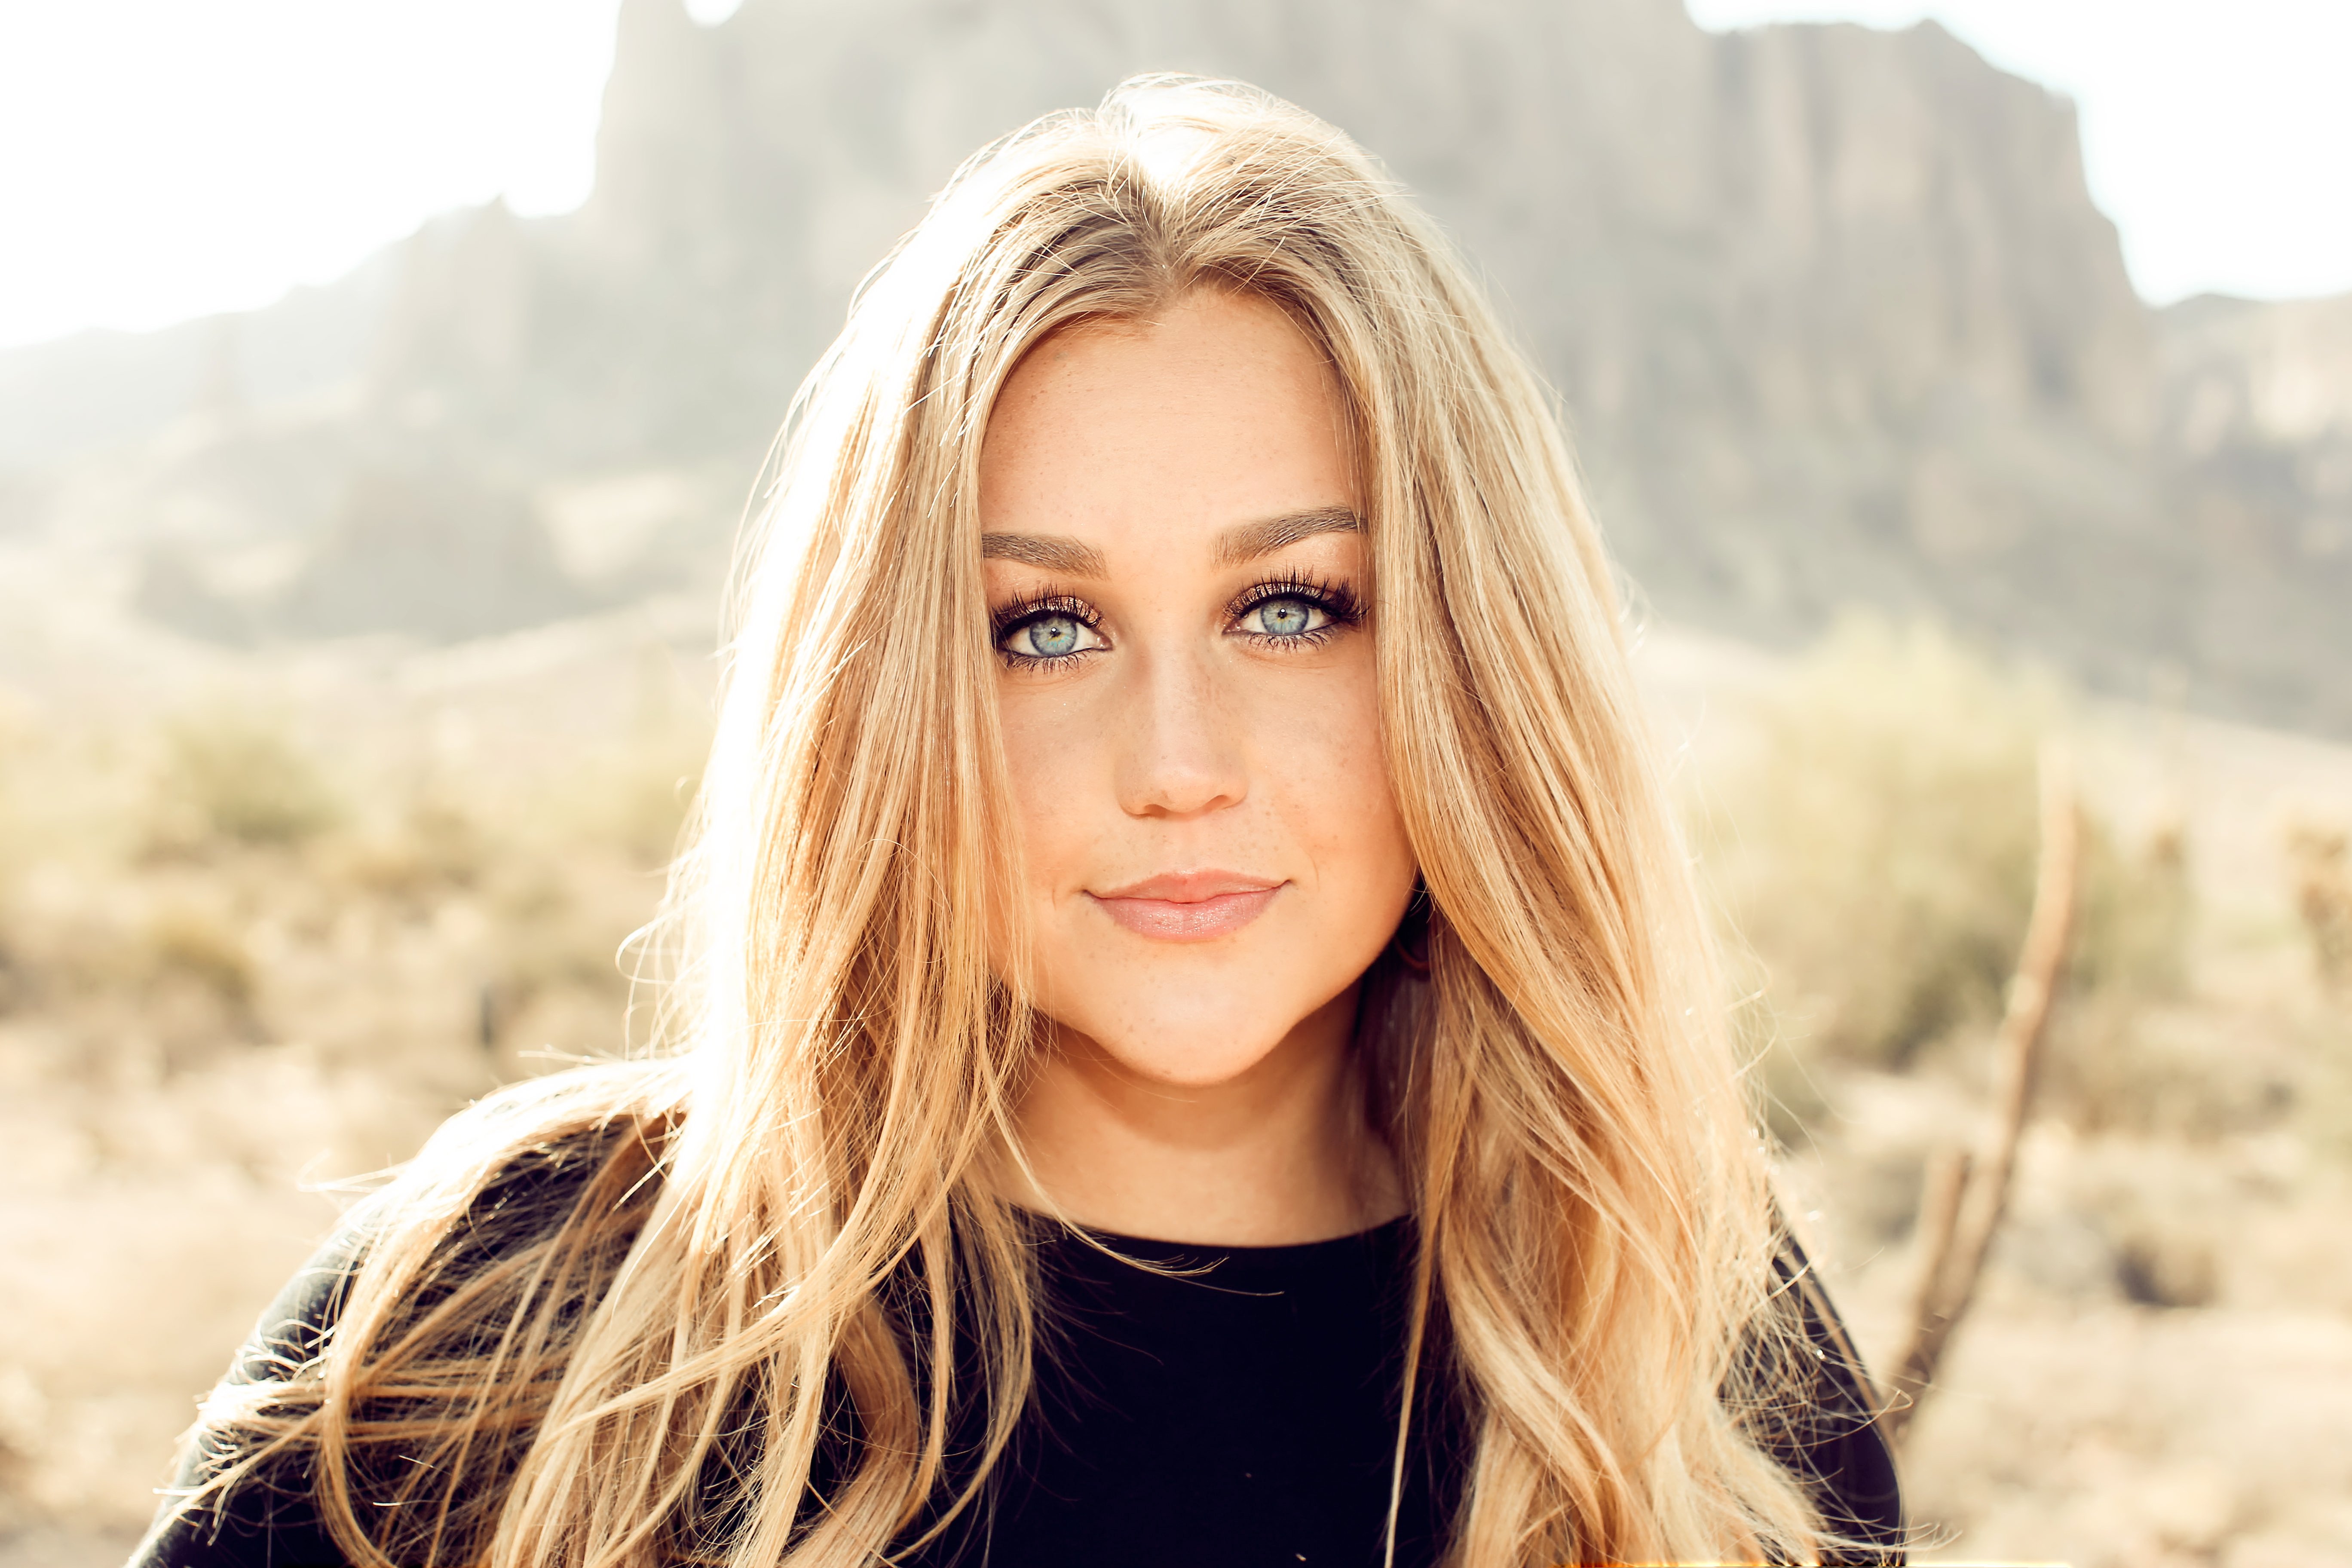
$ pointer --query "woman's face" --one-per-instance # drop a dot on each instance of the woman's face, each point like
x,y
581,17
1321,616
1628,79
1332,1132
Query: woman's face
x,y
1178,586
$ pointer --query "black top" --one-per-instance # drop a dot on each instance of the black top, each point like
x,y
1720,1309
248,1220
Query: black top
x,y
1243,1415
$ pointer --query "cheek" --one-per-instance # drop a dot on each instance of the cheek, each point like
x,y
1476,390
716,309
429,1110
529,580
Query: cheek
x,y
1057,768
1326,769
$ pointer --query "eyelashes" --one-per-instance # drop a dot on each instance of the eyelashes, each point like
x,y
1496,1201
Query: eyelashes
x,y
1335,600
1295,610
1055,628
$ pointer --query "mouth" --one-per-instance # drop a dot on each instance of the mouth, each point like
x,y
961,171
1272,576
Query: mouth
x,y
1192,906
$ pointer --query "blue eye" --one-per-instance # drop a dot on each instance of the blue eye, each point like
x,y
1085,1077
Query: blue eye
x,y
1286,617
1053,634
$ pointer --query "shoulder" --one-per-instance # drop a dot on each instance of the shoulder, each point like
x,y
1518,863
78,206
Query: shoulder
x,y
551,1158
497,1185
524,1196
1829,1435
528,1195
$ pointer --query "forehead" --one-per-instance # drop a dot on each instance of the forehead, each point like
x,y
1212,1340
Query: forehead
x,y
1216,408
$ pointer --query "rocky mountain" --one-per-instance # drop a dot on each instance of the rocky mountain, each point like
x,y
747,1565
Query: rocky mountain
x,y
1830,309
2255,432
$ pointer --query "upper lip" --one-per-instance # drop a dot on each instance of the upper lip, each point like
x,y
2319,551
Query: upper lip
x,y
1192,887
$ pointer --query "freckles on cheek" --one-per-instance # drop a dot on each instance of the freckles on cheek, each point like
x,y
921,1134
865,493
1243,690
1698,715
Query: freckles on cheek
x,y
1048,769
1329,766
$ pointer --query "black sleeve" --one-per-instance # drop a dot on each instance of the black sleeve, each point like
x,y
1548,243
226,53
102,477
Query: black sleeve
x,y
268,1519
1835,1444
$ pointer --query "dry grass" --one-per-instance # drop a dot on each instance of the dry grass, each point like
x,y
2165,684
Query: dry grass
x,y
1872,839
2159,1370
2324,898
261,941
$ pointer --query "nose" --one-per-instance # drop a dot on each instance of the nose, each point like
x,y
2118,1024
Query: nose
x,y
1180,752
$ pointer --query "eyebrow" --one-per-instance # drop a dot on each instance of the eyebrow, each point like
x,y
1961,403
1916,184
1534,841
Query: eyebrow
x,y
1047,551
1247,542
1235,546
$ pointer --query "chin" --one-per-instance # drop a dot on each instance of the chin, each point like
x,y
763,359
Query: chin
x,y
1187,1056
1197,1033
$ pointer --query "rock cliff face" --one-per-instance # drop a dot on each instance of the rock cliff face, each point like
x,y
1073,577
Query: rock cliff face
x,y
1830,309
2255,435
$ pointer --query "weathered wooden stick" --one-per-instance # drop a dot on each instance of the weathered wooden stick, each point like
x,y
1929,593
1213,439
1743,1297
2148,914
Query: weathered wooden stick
x,y
1940,1195
1966,1197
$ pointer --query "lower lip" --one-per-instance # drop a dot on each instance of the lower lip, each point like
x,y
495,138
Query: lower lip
x,y
1164,919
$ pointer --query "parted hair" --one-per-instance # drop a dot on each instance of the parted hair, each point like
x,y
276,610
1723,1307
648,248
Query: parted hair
x,y
785,1270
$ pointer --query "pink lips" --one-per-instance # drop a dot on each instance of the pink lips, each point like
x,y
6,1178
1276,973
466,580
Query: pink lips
x,y
1192,906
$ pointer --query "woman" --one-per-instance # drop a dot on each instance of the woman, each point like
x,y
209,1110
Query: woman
x,y
1191,1038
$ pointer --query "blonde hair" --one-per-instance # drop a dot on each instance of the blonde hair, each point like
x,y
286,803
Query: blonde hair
x,y
786,1215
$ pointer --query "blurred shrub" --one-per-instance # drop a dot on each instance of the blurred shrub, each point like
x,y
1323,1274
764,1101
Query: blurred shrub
x,y
190,944
2136,914
16,735
435,846
2162,1221
1877,854
230,774
2130,1052
2323,897
23,1419
2323,1086
2119,1062
634,798
1877,850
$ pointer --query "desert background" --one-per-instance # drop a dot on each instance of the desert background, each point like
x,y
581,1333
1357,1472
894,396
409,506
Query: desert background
x,y
355,657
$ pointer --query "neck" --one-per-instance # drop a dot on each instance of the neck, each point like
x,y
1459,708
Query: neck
x,y
1281,1154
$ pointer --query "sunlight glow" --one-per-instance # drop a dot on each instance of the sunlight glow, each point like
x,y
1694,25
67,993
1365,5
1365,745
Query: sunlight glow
x,y
160,159
2216,133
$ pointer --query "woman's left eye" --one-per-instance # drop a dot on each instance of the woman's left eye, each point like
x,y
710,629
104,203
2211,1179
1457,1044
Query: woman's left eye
x,y
1049,636
1285,617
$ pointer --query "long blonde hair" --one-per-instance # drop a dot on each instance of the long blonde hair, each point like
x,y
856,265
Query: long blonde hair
x,y
747,1340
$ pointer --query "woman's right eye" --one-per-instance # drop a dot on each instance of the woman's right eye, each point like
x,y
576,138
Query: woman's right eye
x,y
1050,635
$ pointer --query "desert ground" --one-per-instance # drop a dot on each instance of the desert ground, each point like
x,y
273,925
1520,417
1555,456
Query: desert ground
x,y
266,917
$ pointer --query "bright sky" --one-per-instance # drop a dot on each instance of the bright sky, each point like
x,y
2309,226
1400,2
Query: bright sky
x,y
2216,133
160,159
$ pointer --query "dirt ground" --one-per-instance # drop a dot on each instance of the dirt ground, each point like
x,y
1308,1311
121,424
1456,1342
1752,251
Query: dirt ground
x,y
2158,1368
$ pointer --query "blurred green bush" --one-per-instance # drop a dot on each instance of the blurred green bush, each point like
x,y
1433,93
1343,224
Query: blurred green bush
x,y
1872,845
232,773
